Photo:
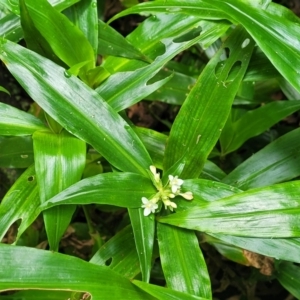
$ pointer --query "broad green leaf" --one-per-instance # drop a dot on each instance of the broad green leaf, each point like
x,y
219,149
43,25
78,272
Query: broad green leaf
x,y
155,144
260,68
150,34
176,247
198,8
143,231
39,295
288,275
77,108
65,39
285,249
277,162
123,89
212,171
59,163
13,5
270,24
175,90
20,202
28,268
16,122
34,39
85,16
264,212
119,189
193,134
16,152
229,251
163,293
10,27
288,90
111,42
120,254
264,24
255,122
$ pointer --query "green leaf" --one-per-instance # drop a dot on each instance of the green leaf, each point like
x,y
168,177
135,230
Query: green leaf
x,y
199,8
65,39
123,89
34,39
10,27
111,42
41,269
193,134
119,189
16,122
277,162
264,212
255,122
285,249
176,247
120,254
163,293
85,16
2,89
39,295
144,231
270,24
77,108
16,152
288,275
175,90
13,5
154,142
20,202
59,161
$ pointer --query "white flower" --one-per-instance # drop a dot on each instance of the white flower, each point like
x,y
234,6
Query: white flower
x,y
156,175
170,204
149,206
175,183
187,195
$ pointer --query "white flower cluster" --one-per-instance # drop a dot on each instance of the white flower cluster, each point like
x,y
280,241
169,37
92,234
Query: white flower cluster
x,y
170,190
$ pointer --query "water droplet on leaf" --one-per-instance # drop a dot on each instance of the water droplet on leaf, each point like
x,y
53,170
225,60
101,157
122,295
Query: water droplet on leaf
x,y
67,74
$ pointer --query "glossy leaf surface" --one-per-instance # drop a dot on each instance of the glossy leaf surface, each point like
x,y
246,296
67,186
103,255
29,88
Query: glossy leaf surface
x,y
181,272
67,100
59,162
277,162
20,202
285,249
122,90
198,8
65,39
270,24
264,212
85,16
193,135
255,122
120,254
16,122
143,231
288,275
42,270
16,152
113,43
119,189
163,293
